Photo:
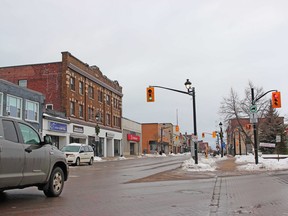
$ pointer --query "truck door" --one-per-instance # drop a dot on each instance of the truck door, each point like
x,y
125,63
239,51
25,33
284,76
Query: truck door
x,y
11,155
37,156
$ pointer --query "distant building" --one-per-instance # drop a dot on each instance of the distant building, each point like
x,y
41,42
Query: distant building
x,y
131,141
21,103
83,94
157,137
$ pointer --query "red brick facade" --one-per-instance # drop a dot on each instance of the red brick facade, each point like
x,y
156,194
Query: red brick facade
x,y
101,96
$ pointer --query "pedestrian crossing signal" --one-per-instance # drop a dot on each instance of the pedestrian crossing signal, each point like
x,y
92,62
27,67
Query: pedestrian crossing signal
x,y
150,94
276,99
214,134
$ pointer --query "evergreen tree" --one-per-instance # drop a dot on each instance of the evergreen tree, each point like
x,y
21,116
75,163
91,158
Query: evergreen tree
x,y
271,126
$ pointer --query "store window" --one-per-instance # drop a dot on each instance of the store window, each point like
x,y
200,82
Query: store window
x,y
32,111
116,147
14,106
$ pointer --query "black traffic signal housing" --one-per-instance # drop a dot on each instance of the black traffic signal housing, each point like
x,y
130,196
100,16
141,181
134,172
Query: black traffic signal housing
x,y
276,99
150,94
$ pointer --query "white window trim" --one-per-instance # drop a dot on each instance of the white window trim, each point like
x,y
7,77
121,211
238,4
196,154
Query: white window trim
x,y
37,110
21,106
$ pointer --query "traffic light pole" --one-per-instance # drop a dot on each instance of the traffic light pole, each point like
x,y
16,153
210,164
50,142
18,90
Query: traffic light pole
x,y
192,93
254,123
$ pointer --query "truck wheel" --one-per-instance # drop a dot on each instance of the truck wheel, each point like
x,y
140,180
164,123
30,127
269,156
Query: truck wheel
x,y
55,184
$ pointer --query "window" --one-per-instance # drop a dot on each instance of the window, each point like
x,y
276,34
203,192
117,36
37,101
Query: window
x,y
72,108
81,111
49,106
90,113
32,111
91,92
72,83
14,106
22,83
29,135
100,96
81,87
108,100
1,103
10,131
108,119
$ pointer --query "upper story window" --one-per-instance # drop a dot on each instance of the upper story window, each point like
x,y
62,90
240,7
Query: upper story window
x,y
100,96
14,106
90,113
108,99
91,92
1,103
32,111
22,83
72,83
72,108
81,88
81,114
108,119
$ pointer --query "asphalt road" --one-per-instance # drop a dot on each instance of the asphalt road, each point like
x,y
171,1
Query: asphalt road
x,y
118,188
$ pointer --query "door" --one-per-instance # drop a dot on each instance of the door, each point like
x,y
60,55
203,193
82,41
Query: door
x,y
11,156
37,162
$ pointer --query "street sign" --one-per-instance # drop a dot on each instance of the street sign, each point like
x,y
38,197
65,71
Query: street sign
x,y
253,118
278,138
253,109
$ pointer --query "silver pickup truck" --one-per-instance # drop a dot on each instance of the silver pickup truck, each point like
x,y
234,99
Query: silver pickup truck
x,y
27,161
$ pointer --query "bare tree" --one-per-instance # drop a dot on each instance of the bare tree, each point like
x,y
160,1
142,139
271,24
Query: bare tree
x,y
233,107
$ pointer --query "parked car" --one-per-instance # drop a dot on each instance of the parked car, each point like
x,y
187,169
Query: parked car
x,y
77,153
27,161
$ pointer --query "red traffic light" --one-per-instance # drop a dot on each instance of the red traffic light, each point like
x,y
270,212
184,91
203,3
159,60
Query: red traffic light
x,y
276,99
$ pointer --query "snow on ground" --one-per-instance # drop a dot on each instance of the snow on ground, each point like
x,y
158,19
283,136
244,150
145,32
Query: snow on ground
x,y
265,162
245,162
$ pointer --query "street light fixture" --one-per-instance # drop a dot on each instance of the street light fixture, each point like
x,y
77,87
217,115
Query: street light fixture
x,y
221,138
191,91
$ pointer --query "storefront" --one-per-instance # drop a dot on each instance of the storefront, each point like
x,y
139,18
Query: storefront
x,y
57,128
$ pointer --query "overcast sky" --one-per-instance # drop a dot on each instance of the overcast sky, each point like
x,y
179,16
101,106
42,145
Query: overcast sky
x,y
216,44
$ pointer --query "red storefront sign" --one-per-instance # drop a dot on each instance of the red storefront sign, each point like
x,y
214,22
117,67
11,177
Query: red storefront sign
x,y
131,137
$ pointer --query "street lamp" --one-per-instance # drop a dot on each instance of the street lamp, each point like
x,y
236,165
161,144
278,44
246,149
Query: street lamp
x,y
221,138
191,91
97,131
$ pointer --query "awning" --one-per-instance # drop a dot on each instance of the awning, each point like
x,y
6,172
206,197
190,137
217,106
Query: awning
x,y
77,135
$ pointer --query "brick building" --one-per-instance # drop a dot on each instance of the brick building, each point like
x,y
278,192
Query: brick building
x,y
157,137
83,94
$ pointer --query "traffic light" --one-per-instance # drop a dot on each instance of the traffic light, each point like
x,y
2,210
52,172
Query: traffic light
x,y
214,134
276,99
203,135
150,94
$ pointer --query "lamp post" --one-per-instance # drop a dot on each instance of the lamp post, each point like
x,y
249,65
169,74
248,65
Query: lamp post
x,y
191,91
221,138
97,131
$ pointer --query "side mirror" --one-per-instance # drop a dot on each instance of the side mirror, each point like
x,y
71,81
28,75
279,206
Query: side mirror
x,y
47,140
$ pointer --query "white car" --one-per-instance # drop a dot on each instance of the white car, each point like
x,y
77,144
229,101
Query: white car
x,y
77,153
